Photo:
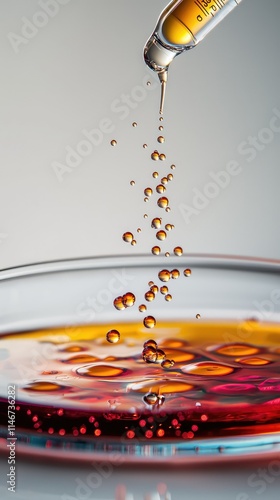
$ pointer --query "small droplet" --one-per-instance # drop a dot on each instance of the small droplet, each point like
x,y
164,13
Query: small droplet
x,y
127,237
169,177
164,180
160,189
160,128
161,118
132,183
156,222
168,227
128,299
163,202
155,175
187,272
149,322
145,216
167,363
155,156
160,355
151,398
148,191
175,273
162,157
149,354
149,296
160,139
167,254
178,251
173,167
134,124
156,250
150,343
118,303
198,316
154,289
168,297
164,275
133,243
161,235
151,283
142,308
113,142
146,199
139,230
148,84
113,336
168,209
145,146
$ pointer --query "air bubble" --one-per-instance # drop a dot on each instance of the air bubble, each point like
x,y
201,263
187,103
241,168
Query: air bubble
x,y
139,230
175,273
145,216
149,322
160,189
187,272
118,303
132,183
162,157
198,316
113,336
146,199
164,180
145,146
173,167
134,124
133,243
160,139
168,297
168,209
154,289
169,177
148,191
160,128
128,299
155,175
168,227
149,296
167,254
113,142
142,308
156,250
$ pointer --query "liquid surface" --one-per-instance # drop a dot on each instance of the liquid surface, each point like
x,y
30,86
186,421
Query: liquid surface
x,y
177,381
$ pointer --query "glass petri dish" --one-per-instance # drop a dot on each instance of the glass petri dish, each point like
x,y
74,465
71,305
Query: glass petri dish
x,y
207,388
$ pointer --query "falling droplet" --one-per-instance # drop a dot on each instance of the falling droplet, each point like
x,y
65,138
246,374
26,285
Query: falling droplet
x,y
132,183
178,251
169,177
118,303
198,316
145,216
168,297
161,235
146,199
154,289
148,84
149,322
113,336
164,180
134,124
160,139
164,275
160,189
142,308
173,167
148,191
162,202
150,283
151,398
168,227
167,254
156,250
160,128
149,354
164,290
133,243
156,223
151,343
155,175
162,157
187,272
128,299
139,230
155,156
113,142
167,363
175,273
161,118
168,209
145,146
149,296
127,237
